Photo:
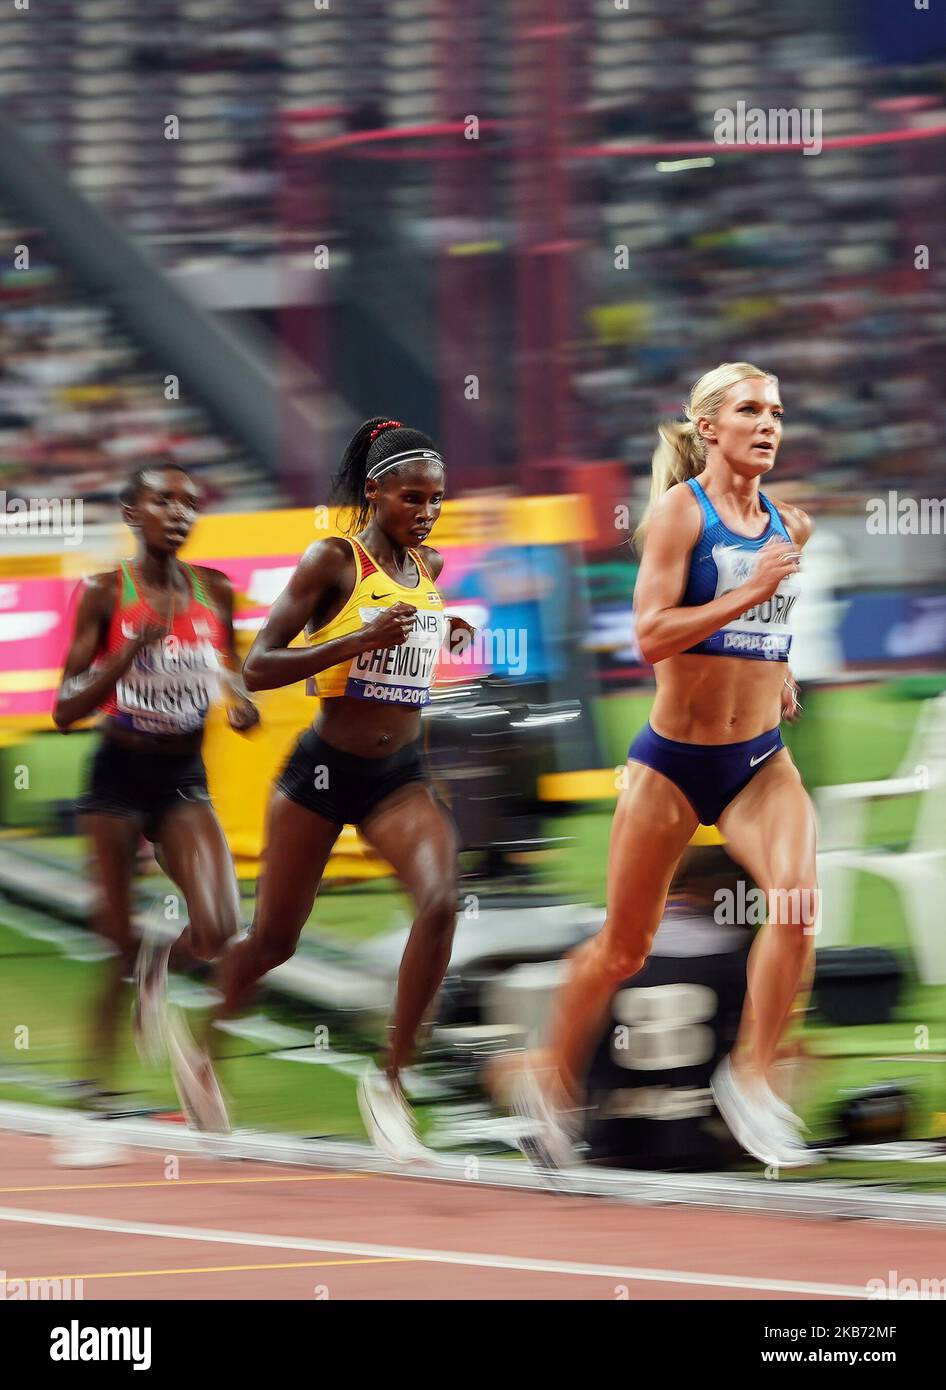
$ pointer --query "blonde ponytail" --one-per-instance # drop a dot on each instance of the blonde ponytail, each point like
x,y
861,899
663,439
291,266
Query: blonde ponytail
x,y
681,453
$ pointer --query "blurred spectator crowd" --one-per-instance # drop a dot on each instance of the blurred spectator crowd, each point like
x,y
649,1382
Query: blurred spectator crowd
x,y
81,407
805,265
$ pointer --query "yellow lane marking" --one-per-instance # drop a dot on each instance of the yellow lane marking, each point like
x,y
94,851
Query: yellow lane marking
x,y
214,1269
184,1182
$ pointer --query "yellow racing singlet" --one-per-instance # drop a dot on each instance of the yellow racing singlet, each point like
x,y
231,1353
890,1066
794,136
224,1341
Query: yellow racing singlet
x,y
393,675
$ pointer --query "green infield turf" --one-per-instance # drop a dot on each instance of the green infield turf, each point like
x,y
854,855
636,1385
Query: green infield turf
x,y
863,733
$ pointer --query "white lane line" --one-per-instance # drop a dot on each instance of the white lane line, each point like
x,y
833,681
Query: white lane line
x,y
447,1257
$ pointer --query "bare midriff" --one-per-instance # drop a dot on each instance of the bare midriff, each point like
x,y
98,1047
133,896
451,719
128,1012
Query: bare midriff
x,y
716,699
366,728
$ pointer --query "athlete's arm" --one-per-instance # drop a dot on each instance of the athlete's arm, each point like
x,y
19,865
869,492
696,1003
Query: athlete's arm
x,y
664,628
271,661
798,524
242,713
791,706
80,691
461,633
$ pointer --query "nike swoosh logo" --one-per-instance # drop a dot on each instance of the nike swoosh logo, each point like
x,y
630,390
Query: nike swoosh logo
x,y
753,762
377,596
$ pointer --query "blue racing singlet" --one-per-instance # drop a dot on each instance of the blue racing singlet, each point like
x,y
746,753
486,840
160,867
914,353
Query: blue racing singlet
x,y
722,560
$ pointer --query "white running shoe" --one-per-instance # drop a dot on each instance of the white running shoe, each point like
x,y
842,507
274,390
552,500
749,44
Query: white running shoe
x,y
784,1112
195,1081
754,1125
547,1140
149,1017
87,1144
387,1119
87,1152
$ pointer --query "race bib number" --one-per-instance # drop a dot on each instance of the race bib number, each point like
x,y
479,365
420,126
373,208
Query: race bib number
x,y
763,630
170,686
399,675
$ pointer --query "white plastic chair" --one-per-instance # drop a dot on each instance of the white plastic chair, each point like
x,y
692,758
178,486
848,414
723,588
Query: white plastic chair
x,y
918,872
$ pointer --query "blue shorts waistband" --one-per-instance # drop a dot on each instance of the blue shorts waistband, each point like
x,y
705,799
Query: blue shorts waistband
x,y
673,745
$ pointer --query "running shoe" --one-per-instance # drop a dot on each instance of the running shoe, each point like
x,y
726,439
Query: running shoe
x,y
195,1080
149,1014
754,1125
387,1119
87,1153
783,1111
548,1136
86,1144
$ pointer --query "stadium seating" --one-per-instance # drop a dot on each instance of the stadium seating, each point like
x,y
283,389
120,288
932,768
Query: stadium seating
x,y
81,405
805,265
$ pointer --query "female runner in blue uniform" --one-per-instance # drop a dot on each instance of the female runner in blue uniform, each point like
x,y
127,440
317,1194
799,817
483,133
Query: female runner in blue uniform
x,y
714,599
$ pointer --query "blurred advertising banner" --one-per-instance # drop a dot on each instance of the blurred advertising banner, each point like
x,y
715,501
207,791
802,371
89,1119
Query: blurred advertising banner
x,y
34,613
509,570
895,625
504,566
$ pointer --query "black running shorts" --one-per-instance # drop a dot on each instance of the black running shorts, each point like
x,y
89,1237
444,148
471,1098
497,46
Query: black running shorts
x,y
342,787
142,784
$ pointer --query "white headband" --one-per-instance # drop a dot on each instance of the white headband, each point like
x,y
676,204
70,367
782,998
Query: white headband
x,y
427,455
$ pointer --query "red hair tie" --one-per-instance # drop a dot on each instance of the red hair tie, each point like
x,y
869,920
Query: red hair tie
x,y
387,425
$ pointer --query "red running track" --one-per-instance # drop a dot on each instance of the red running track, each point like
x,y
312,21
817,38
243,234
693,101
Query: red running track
x,y
242,1230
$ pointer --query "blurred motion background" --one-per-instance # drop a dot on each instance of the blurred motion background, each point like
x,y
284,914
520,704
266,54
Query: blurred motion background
x,y
230,230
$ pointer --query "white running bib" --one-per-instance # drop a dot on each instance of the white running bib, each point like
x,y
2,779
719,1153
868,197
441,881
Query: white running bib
x,y
763,630
399,675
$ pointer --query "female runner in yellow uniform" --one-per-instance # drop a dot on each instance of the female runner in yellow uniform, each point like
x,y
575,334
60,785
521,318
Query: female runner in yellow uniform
x,y
374,624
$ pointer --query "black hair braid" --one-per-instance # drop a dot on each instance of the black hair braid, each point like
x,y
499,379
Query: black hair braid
x,y
363,453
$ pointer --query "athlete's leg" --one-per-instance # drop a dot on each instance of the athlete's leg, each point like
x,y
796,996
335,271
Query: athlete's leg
x,y
195,853
180,957
113,841
297,847
413,831
652,826
770,830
